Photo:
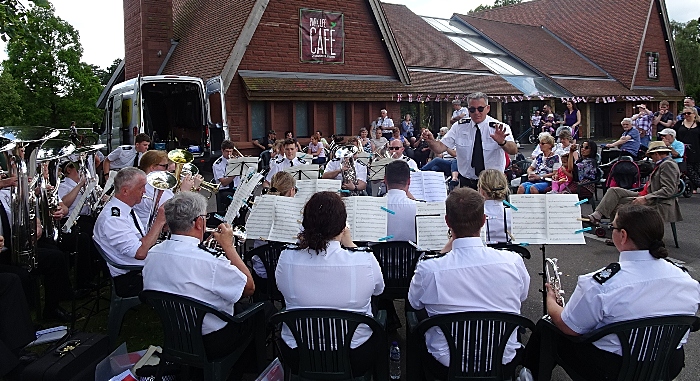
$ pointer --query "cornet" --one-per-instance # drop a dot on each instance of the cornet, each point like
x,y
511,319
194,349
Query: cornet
x,y
211,245
552,273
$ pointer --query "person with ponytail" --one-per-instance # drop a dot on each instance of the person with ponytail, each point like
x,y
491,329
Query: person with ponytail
x,y
642,284
320,272
493,185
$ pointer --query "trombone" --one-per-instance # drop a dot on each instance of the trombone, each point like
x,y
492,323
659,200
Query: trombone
x,y
160,181
183,167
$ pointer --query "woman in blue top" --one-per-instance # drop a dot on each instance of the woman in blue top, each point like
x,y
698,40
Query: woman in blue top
x,y
630,140
542,169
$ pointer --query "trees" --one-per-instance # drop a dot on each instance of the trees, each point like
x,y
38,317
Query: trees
x,y
55,86
686,37
496,4
11,113
13,17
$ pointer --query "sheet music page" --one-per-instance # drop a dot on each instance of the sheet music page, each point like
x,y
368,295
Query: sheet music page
x,y
303,172
431,232
308,187
376,170
530,220
261,218
428,186
431,228
562,215
366,218
287,219
244,190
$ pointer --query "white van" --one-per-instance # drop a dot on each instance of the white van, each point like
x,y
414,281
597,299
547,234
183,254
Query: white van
x,y
175,111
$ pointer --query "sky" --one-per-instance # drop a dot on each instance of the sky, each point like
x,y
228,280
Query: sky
x,y
101,22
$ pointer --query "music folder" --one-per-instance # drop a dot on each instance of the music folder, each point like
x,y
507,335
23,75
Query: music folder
x,y
239,166
303,172
431,228
547,219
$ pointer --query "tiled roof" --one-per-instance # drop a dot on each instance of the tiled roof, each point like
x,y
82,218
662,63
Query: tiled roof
x,y
587,26
207,31
270,87
430,83
423,46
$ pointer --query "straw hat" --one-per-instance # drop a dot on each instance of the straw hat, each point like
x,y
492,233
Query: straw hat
x,y
657,147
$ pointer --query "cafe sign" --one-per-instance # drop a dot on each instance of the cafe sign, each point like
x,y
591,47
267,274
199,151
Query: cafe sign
x,y
321,36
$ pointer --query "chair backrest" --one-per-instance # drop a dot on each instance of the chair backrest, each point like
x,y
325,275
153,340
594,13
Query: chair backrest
x,y
477,341
647,344
269,254
181,318
514,247
111,262
323,340
398,263
624,174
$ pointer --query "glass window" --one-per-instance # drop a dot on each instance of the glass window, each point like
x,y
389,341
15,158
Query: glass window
x,y
442,25
340,128
302,119
470,45
258,116
652,65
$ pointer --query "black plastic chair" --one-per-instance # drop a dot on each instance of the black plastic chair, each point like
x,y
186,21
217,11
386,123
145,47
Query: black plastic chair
x,y
398,263
118,306
647,345
323,338
269,254
514,247
182,319
477,341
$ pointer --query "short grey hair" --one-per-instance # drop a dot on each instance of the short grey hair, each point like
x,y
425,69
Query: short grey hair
x,y
127,178
182,209
627,120
478,95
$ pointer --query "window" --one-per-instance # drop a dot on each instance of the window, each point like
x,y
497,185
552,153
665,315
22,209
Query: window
x,y
340,128
652,65
302,119
258,116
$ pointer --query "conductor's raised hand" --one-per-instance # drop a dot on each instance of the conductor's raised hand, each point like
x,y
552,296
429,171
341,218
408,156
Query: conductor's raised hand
x,y
224,235
500,134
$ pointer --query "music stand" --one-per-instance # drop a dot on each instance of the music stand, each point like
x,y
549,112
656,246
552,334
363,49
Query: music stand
x,y
240,165
378,167
303,172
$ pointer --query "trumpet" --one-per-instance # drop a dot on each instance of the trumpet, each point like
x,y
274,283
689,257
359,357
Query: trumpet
x,y
552,273
211,245
183,167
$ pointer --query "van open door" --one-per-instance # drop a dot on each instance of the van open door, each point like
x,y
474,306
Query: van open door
x,y
216,114
115,130
138,109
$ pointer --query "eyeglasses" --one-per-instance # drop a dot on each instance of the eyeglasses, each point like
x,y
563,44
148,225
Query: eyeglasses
x,y
162,165
687,113
201,215
615,227
475,109
395,148
296,190
585,147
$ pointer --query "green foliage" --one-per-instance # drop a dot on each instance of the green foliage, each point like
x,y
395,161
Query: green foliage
x,y
496,4
686,37
11,112
13,17
56,87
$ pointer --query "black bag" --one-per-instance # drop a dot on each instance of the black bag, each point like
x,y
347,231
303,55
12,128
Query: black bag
x,y
75,359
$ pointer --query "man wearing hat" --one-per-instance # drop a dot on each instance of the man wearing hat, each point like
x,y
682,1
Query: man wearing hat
x,y
658,191
668,136
459,112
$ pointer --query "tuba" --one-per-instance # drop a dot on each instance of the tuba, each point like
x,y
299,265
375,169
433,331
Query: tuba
x,y
552,275
48,155
21,162
346,155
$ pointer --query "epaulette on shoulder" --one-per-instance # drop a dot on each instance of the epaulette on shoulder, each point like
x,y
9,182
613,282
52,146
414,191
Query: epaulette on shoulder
x,y
218,160
360,162
335,159
432,255
126,148
608,272
361,248
676,264
280,161
302,161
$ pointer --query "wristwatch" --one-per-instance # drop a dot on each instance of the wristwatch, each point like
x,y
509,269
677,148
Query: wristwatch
x,y
502,144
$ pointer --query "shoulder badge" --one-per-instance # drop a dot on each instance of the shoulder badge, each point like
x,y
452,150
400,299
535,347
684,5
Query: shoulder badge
x,y
676,264
431,255
279,161
126,148
335,159
115,211
605,274
302,161
361,248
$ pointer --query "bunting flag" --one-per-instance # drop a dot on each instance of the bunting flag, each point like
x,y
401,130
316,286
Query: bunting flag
x,y
400,97
427,98
410,98
419,98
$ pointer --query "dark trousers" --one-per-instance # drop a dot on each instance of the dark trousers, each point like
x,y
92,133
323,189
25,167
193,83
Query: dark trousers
x,y
223,200
16,328
129,284
465,182
586,360
87,261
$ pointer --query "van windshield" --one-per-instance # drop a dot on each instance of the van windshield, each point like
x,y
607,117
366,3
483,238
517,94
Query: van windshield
x,y
173,114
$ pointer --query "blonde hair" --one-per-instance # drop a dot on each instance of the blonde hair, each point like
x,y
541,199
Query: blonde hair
x,y
494,184
151,158
547,139
281,183
694,111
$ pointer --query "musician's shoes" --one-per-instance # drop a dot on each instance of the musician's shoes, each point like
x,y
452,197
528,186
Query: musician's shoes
x,y
591,219
59,315
524,375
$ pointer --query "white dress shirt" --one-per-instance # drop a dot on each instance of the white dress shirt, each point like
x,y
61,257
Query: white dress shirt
x,y
360,169
65,187
219,170
470,278
462,111
179,266
123,157
462,136
644,287
495,223
401,224
335,278
144,208
281,165
119,234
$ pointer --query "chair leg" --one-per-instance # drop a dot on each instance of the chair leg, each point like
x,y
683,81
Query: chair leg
x,y
675,234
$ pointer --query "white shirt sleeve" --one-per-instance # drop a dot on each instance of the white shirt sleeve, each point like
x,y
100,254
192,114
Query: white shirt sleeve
x,y
449,139
584,310
416,289
114,155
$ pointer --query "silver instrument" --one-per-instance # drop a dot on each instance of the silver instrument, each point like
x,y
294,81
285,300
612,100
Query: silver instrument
x,y
160,181
49,201
211,245
346,155
21,162
192,170
552,273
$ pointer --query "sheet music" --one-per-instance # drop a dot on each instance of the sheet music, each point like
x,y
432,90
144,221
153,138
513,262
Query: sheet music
x,y
241,195
275,218
428,186
240,165
305,156
260,220
366,218
303,172
378,167
546,219
431,228
307,188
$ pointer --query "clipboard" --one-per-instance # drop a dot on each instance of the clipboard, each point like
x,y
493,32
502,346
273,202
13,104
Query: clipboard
x,y
304,172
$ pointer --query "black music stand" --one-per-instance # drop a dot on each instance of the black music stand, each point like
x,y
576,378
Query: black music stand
x,y
378,168
240,166
304,172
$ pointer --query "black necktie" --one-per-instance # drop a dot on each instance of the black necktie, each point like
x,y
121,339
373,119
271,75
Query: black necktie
x,y
136,222
136,160
291,163
477,153
6,228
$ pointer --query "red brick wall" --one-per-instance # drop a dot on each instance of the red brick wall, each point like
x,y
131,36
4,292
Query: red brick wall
x,y
655,42
148,28
275,44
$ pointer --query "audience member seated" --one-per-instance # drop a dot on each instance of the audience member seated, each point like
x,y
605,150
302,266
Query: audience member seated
x,y
321,273
379,143
316,150
265,144
641,285
564,146
585,169
179,266
668,136
541,169
563,177
290,135
463,280
445,163
629,142
365,141
657,192
493,185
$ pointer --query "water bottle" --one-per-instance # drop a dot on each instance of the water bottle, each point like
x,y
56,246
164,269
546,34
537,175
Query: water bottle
x,y
395,361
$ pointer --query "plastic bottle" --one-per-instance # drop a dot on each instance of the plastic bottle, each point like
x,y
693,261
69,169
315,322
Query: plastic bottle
x,y
395,361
